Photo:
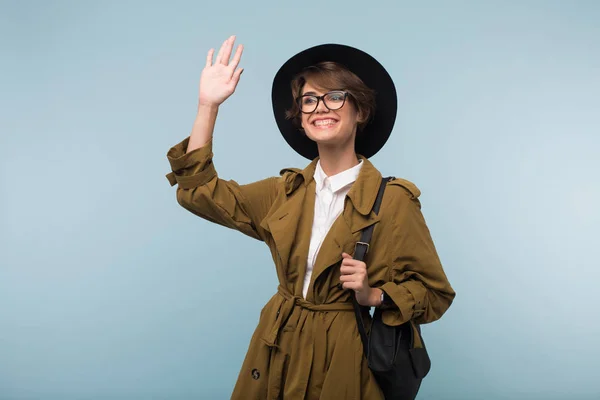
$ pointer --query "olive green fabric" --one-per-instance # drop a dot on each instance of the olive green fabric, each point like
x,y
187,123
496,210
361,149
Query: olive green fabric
x,y
311,348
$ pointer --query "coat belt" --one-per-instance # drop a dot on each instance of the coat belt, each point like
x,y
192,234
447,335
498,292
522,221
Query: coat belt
x,y
287,307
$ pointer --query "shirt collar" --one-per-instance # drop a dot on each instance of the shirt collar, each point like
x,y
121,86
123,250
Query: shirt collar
x,y
362,193
338,181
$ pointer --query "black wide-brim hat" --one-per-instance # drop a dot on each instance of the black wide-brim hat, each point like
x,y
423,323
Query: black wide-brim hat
x,y
368,69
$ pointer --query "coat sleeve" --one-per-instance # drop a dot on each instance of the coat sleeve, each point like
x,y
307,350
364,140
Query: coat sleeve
x,y
417,284
202,192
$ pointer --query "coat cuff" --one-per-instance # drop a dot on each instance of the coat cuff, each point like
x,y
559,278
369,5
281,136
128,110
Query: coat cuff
x,y
405,297
191,169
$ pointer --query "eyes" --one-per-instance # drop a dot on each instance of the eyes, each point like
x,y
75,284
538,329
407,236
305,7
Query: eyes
x,y
335,96
333,100
307,100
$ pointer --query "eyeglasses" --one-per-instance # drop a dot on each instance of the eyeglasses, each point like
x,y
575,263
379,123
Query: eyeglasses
x,y
333,100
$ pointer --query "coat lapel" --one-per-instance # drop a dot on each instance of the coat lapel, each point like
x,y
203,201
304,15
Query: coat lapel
x,y
283,222
357,215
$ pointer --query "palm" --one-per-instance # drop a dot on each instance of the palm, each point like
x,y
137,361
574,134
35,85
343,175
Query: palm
x,y
219,80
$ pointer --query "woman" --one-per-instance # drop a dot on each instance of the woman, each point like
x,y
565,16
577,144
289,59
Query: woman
x,y
306,344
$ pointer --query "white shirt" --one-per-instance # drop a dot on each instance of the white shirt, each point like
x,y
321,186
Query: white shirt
x,y
329,204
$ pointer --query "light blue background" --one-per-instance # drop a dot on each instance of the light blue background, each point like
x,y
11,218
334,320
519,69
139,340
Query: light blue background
x,y
110,290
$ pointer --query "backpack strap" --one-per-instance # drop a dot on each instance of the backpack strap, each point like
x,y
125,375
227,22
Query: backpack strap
x,y
360,252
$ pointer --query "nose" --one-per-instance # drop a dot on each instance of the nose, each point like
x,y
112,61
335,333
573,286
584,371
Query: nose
x,y
321,107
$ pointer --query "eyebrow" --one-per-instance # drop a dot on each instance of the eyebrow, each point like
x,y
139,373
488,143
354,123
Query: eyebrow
x,y
309,93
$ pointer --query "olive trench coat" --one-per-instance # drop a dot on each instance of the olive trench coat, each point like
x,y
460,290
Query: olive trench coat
x,y
311,348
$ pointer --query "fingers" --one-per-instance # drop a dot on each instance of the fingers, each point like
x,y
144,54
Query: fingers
x,y
228,46
221,52
353,273
346,282
209,58
236,76
353,262
349,278
351,269
224,54
236,57
354,281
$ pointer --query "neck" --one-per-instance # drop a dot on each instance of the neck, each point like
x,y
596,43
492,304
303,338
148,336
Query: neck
x,y
336,160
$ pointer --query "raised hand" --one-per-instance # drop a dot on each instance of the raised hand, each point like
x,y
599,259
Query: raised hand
x,y
219,80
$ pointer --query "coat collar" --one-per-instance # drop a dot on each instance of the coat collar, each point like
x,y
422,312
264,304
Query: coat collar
x,y
362,194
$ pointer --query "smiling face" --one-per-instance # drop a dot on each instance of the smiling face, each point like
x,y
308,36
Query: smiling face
x,y
329,127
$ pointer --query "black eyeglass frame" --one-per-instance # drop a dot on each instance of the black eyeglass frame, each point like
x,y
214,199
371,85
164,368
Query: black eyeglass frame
x,y
322,98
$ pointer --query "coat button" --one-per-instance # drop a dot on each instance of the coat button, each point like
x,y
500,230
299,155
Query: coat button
x,y
255,374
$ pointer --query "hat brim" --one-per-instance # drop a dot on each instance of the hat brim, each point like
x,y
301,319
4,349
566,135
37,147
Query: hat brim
x,y
375,134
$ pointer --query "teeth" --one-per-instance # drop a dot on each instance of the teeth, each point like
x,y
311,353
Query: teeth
x,y
324,122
